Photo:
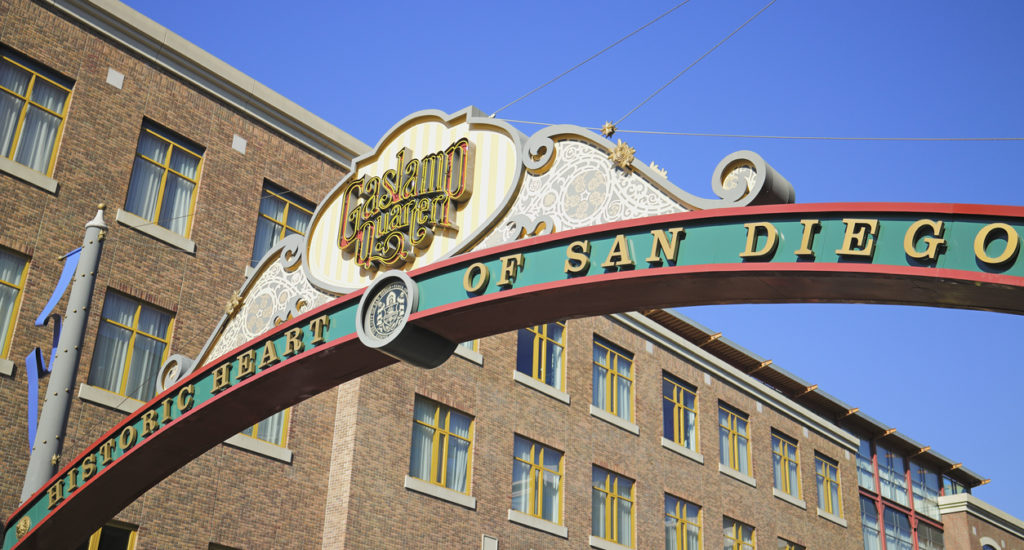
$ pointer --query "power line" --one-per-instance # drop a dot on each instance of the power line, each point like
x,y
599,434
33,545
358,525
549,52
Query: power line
x,y
766,136
690,66
585,61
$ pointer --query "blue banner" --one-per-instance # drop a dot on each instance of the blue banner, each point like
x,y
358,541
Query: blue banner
x,y
35,365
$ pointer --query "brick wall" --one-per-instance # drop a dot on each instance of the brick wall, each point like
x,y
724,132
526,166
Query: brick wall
x,y
228,495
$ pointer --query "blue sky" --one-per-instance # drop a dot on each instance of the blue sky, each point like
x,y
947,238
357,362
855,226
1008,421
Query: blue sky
x,y
947,378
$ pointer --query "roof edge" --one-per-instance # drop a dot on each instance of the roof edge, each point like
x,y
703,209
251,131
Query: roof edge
x,y
193,64
966,502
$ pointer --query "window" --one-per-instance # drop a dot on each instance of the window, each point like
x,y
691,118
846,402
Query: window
x,y
33,107
471,345
273,429
111,537
537,480
738,535
733,439
892,476
865,469
130,347
612,515
926,490
164,179
282,213
928,537
682,524
789,545
12,283
442,442
613,379
786,465
540,354
869,524
897,531
951,486
679,411
827,472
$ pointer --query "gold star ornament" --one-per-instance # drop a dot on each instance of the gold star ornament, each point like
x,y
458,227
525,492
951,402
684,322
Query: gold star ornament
x,y
608,129
622,155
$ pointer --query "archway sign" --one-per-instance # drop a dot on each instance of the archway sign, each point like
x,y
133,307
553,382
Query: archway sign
x,y
457,227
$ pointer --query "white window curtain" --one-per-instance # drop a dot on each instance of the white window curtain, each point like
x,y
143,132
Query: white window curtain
x,y
600,382
623,390
741,447
599,513
39,132
553,359
16,80
271,429
551,503
689,424
298,220
692,528
144,185
458,452
624,516
177,200
521,476
11,269
112,343
422,441
267,232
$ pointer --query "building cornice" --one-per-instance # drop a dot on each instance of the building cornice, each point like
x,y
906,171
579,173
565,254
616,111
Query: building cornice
x,y
728,374
187,61
966,502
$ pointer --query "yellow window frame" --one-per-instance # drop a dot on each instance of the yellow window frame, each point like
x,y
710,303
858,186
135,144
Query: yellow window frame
x,y
785,444
286,423
172,144
679,408
541,341
732,426
735,534
612,356
5,346
134,329
680,516
288,204
438,445
789,545
827,473
535,486
94,539
16,139
612,496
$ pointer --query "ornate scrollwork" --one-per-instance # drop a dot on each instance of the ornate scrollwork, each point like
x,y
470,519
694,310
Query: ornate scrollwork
x,y
540,152
175,368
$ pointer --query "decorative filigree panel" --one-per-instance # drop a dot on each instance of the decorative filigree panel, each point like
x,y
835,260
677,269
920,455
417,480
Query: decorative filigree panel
x,y
582,188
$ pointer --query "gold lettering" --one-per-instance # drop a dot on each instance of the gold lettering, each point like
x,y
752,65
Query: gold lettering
x,y
932,243
270,356
293,341
985,237
186,397
56,492
88,467
246,364
510,268
149,423
165,417
72,479
129,435
856,241
663,244
810,227
480,274
317,327
619,255
771,242
221,378
107,450
579,252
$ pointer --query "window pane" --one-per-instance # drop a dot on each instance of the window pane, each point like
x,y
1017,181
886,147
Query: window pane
x,y
38,136
520,490
184,163
114,538
419,461
10,110
14,78
298,219
550,502
48,96
147,356
143,189
271,429
109,357
177,204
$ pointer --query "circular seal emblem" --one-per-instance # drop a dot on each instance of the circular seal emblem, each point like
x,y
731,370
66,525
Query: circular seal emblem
x,y
387,310
22,526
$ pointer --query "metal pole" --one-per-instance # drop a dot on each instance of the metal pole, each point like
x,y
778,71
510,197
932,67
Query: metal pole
x,y
53,422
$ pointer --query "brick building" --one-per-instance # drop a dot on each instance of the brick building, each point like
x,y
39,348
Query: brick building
x,y
637,430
